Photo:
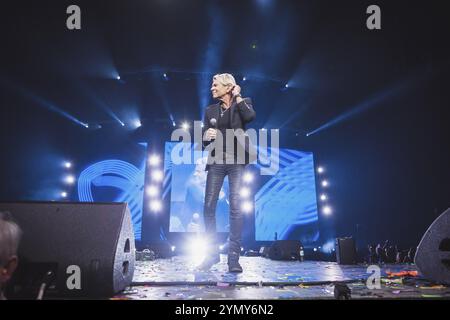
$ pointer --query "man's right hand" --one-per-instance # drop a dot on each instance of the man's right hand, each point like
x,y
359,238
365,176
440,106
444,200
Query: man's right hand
x,y
211,134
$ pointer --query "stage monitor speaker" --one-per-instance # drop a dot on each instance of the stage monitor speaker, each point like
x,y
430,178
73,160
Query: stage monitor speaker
x,y
433,253
345,251
285,250
89,247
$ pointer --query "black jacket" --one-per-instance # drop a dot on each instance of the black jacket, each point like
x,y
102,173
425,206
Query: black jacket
x,y
241,114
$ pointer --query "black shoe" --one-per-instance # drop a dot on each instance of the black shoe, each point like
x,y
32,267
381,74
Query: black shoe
x,y
209,262
234,267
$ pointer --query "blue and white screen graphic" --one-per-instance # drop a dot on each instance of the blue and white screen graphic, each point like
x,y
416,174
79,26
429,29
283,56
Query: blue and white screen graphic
x,y
284,203
119,179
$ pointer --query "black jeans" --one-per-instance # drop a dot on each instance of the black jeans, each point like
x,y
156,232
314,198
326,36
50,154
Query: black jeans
x,y
214,181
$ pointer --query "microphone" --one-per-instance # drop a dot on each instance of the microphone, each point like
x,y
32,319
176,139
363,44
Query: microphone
x,y
213,123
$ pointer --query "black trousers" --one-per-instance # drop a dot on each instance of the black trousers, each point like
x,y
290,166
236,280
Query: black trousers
x,y
214,181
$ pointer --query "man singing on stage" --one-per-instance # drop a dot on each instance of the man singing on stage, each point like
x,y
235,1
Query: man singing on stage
x,y
232,112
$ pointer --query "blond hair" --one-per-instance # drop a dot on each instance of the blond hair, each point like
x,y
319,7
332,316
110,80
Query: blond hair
x,y
225,78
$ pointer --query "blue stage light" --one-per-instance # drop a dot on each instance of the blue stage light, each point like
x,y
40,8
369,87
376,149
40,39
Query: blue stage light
x,y
327,210
247,206
70,179
155,205
154,160
245,192
152,191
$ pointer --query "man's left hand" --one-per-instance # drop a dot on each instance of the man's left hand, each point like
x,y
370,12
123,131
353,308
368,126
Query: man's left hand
x,y
236,90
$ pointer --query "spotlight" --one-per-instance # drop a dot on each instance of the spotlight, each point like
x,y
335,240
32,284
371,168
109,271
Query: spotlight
x,y
315,249
174,124
244,79
323,197
157,175
85,125
154,160
67,164
165,76
118,77
263,129
286,85
324,183
248,177
64,194
152,191
326,210
221,247
185,126
173,248
320,169
202,125
155,205
247,206
69,179
245,192
137,123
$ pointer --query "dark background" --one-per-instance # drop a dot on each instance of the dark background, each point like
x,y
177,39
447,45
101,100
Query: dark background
x,y
386,158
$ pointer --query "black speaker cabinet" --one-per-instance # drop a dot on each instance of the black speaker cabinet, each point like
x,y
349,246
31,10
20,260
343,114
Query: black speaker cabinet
x,y
345,251
433,253
89,242
285,250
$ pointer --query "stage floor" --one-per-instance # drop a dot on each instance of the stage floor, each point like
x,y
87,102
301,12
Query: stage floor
x,y
177,279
